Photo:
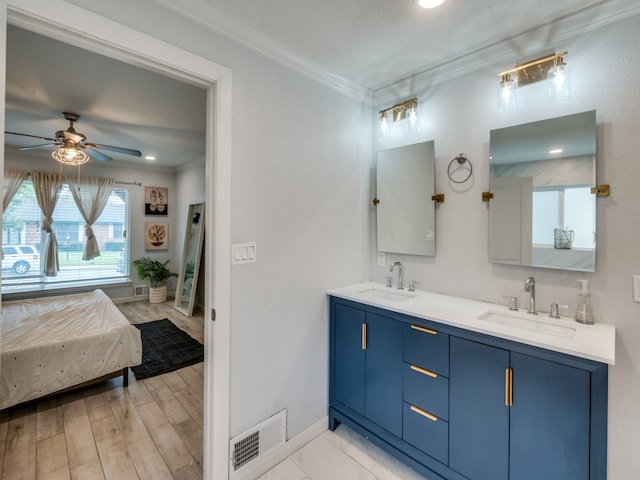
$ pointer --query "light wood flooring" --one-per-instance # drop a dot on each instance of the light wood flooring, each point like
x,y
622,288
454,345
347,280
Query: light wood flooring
x,y
150,430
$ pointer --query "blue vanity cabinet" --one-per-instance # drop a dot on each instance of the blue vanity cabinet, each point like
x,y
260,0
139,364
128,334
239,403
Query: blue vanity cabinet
x,y
516,416
367,366
456,404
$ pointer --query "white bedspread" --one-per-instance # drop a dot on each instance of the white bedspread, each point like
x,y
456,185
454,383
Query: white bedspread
x,y
52,343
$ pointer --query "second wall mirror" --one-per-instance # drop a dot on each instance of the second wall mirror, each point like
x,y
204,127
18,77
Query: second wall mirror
x,y
543,213
190,265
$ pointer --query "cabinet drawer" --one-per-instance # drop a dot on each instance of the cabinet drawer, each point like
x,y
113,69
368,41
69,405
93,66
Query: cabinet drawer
x,y
426,389
426,348
431,435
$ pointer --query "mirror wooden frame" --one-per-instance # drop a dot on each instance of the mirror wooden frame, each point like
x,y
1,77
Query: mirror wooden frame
x,y
190,264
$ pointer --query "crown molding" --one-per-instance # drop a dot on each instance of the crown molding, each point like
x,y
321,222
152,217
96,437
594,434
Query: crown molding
x,y
213,19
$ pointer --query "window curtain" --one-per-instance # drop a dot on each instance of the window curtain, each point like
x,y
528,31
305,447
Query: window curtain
x,y
13,179
47,187
91,195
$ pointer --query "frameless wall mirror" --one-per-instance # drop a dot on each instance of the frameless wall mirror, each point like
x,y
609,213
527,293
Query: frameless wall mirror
x,y
405,210
543,213
190,265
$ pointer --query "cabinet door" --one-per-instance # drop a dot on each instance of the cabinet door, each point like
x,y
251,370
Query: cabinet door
x,y
549,420
383,384
478,415
349,358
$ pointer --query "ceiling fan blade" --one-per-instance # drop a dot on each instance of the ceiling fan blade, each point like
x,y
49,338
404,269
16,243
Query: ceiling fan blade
x,y
32,136
35,147
101,157
125,151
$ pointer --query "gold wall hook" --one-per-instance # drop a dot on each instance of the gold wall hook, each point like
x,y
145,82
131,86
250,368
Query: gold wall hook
x,y
486,196
439,198
375,202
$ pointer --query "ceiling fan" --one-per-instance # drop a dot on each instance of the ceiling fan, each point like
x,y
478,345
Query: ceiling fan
x,y
73,145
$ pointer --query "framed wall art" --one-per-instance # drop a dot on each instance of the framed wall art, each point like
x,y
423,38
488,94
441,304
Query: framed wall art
x,y
156,201
156,235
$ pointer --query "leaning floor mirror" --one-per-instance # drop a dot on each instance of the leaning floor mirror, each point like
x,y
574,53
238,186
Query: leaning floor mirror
x,y
190,265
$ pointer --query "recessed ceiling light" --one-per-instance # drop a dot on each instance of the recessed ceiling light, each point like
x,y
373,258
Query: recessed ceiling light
x,y
555,150
149,157
430,3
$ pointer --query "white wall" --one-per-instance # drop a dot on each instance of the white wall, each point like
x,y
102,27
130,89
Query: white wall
x,y
190,188
458,115
299,188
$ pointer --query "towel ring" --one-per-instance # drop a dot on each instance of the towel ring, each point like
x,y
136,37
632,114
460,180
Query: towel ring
x,y
461,159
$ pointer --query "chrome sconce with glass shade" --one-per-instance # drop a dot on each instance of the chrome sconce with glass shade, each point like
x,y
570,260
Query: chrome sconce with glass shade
x,y
550,67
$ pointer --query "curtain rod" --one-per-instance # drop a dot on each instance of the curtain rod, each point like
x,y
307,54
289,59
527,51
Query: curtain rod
x,y
119,182
137,184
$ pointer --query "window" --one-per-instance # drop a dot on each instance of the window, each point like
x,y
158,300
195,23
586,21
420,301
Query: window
x,y
23,240
570,208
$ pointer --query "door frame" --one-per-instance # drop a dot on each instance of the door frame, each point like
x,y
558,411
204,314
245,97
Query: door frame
x,y
68,23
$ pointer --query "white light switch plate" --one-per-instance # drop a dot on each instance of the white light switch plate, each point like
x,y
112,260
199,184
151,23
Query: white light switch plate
x,y
244,252
381,259
636,288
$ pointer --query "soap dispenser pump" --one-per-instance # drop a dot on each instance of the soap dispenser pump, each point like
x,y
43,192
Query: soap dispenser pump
x,y
583,310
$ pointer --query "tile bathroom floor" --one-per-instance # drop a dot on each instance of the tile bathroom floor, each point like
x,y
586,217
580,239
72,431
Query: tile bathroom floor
x,y
341,455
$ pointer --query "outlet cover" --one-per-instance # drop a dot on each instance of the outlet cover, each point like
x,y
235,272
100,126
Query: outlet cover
x,y
381,259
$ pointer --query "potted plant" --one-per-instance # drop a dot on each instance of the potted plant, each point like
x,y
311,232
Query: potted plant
x,y
157,273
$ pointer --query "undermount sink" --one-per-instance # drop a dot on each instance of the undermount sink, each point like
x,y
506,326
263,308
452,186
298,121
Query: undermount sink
x,y
387,294
528,322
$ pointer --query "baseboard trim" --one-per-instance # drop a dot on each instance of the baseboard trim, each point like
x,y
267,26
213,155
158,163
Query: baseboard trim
x,y
271,460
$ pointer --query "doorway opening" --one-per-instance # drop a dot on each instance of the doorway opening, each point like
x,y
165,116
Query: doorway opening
x,y
74,25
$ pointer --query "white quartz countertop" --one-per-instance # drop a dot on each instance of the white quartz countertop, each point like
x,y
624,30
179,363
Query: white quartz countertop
x,y
594,342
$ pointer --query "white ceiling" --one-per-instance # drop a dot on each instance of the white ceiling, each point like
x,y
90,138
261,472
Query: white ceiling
x,y
119,104
366,44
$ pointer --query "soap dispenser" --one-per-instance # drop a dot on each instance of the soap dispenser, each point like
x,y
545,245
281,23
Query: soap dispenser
x,y
583,310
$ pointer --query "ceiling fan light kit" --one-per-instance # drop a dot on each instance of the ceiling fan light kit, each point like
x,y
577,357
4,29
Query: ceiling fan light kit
x,y
72,145
70,156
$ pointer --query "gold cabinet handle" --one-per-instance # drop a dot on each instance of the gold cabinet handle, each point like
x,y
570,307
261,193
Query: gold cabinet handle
x,y
364,336
508,387
424,371
424,413
425,330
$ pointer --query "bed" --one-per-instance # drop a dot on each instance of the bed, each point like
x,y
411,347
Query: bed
x,y
51,344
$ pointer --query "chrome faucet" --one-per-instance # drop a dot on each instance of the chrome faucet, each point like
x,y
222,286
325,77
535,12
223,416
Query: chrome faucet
x,y
530,286
399,265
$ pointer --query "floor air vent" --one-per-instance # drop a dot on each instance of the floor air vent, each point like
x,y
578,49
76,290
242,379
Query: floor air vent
x,y
141,291
259,440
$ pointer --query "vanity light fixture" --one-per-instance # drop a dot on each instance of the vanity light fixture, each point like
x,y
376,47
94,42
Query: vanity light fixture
x,y
384,124
550,67
400,111
70,155
507,95
559,81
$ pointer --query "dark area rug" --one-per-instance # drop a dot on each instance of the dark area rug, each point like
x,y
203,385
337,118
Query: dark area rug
x,y
165,348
